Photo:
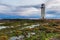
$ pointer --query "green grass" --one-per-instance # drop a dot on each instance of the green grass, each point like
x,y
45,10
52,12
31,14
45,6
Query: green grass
x,y
40,34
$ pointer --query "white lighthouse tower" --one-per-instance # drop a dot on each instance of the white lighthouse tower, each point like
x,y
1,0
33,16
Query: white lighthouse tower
x,y
42,11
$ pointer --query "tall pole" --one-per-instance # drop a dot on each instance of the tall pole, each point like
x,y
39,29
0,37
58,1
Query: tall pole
x,y
42,11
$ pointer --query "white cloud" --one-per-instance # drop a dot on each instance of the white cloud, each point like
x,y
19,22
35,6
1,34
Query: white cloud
x,y
22,2
49,15
5,9
21,11
27,11
53,5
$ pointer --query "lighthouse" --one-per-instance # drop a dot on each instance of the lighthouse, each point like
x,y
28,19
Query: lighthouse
x,y
42,11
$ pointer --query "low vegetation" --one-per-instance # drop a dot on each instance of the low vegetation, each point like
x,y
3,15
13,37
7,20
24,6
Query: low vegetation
x,y
46,30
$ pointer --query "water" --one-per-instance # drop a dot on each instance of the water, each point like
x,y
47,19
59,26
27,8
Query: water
x,y
21,36
31,26
1,27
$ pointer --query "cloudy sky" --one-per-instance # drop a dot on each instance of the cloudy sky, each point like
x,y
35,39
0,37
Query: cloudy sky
x,y
29,9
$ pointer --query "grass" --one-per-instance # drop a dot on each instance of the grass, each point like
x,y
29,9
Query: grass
x,y
41,32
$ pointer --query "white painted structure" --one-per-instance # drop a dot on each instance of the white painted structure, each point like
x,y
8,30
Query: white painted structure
x,y
42,11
